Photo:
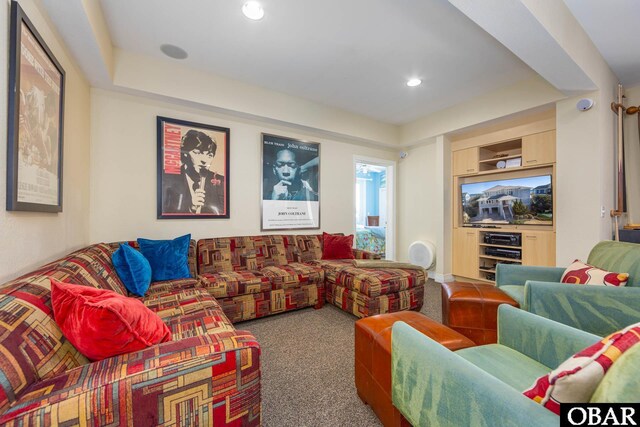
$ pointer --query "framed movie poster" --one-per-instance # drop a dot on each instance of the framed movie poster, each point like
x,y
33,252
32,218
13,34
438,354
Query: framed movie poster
x,y
290,184
35,119
193,170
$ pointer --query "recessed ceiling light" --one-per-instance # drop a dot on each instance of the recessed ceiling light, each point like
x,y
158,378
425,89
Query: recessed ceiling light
x,y
414,82
173,51
253,10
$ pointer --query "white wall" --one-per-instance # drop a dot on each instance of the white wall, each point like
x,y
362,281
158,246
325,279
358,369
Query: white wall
x,y
124,171
31,239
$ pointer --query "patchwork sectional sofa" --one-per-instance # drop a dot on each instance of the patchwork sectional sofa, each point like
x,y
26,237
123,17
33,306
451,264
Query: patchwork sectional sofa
x,y
210,372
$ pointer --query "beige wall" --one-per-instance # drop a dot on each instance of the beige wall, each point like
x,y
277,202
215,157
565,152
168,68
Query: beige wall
x,y
34,238
123,172
419,204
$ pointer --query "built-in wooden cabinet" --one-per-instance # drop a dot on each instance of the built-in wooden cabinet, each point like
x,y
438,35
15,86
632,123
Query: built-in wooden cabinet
x,y
465,162
539,149
465,258
539,248
525,151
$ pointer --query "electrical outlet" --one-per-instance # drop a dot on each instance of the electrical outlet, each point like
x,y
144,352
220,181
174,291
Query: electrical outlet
x,y
602,211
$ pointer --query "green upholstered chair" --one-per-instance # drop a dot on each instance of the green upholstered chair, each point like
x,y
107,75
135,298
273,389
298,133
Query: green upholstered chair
x,y
482,386
600,310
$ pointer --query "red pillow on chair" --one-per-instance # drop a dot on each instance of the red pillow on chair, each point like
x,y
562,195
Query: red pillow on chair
x,y
101,323
337,247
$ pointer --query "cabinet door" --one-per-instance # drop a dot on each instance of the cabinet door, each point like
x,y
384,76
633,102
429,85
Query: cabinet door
x,y
465,162
539,149
539,248
465,252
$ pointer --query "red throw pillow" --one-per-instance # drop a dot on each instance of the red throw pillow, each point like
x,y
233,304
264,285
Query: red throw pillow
x,y
337,247
101,323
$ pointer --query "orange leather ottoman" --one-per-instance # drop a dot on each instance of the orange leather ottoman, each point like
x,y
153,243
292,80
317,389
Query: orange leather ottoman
x,y
472,309
373,357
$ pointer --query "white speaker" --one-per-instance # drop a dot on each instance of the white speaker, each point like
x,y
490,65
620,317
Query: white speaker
x,y
422,254
403,154
584,104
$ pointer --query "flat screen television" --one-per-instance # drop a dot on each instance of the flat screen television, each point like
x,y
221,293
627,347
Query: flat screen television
x,y
517,201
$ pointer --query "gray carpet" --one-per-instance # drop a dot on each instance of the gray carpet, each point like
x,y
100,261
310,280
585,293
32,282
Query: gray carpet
x,y
308,367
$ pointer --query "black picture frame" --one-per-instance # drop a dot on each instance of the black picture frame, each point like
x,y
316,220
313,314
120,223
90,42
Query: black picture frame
x,y
180,179
35,120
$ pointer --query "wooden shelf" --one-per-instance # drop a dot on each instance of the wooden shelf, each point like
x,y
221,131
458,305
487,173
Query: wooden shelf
x,y
514,260
500,246
486,271
498,159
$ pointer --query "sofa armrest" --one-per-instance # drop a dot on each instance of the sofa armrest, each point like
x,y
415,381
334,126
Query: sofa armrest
x,y
217,375
544,340
600,310
432,385
512,274
362,254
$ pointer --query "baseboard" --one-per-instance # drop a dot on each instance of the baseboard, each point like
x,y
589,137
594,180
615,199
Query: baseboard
x,y
441,278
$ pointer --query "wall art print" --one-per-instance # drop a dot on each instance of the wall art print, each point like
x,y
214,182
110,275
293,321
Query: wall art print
x,y
35,120
290,184
193,170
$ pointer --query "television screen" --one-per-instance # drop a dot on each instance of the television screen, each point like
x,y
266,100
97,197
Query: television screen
x,y
518,201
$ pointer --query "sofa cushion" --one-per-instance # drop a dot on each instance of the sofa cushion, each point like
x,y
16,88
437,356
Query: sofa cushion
x,y
577,378
168,258
293,275
171,286
234,283
309,247
101,323
584,274
226,254
506,364
271,250
133,269
178,302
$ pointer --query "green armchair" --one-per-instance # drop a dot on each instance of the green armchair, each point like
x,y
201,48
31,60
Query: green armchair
x,y
597,309
482,386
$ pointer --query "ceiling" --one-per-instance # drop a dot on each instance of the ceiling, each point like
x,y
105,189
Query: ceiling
x,y
354,55
357,55
612,25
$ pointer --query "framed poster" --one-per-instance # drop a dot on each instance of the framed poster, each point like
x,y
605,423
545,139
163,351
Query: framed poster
x,y
35,120
290,184
193,170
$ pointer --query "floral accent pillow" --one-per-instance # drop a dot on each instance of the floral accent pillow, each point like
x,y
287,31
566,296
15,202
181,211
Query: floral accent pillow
x,y
577,378
585,274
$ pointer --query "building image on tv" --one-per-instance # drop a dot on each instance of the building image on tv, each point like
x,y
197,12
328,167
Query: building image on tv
x,y
519,201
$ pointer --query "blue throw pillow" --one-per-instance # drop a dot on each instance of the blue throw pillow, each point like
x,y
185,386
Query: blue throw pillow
x,y
133,269
168,258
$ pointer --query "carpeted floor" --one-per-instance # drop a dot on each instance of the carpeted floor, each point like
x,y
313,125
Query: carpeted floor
x,y
307,366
